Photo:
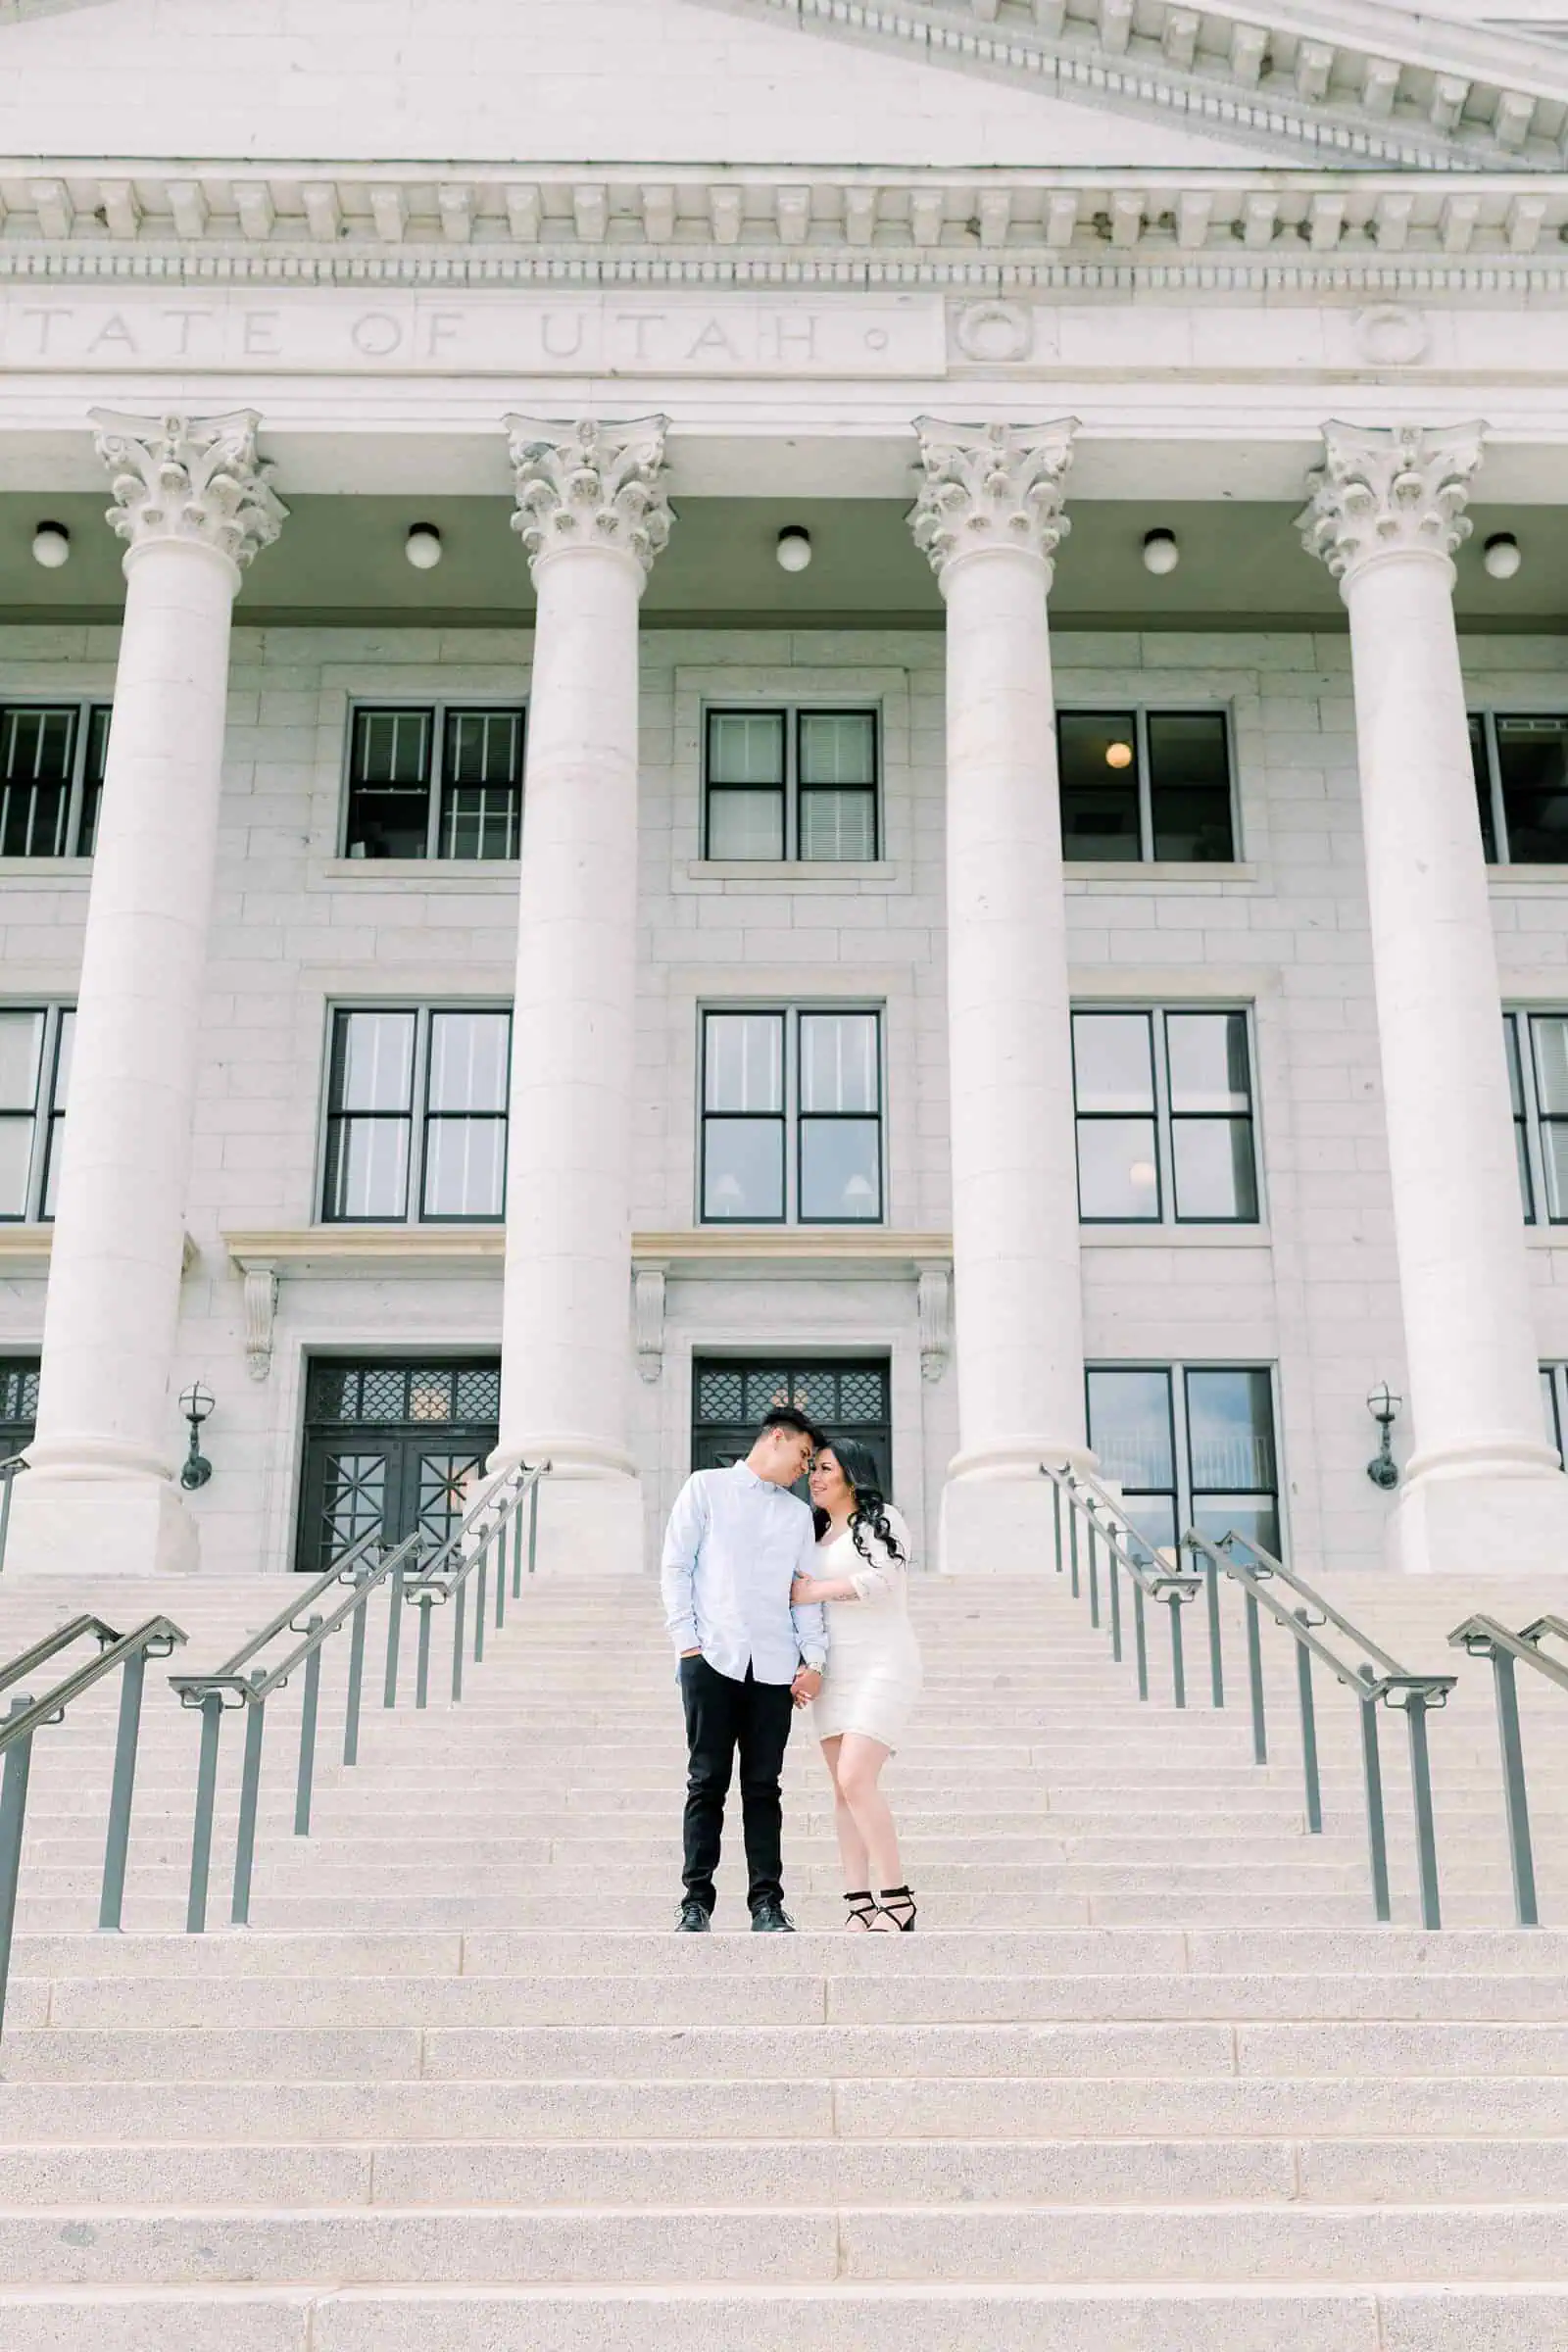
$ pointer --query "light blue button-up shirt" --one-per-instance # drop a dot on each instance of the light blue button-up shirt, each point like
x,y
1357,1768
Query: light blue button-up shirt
x,y
734,1546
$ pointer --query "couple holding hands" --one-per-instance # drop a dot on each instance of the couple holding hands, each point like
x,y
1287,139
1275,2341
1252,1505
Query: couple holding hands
x,y
773,1606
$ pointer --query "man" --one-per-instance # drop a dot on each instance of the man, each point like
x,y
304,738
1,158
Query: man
x,y
735,1544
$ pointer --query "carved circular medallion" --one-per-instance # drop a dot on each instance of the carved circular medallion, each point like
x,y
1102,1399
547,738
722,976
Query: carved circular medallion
x,y
994,333
1387,336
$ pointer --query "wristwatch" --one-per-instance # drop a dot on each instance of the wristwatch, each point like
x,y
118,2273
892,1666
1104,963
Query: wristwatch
x,y
812,1665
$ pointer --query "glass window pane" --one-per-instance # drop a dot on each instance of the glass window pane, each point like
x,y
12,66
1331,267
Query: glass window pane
x,y
1213,1166
54,1156
1483,781
1189,784
1510,1046
745,747
469,1060
1554,1162
65,1040
1154,1519
368,1168
746,824
1129,1428
465,1168
1118,1172
744,1059
373,1062
838,747
1230,1431
742,1168
840,1172
484,747
837,824
36,750
1112,1059
1207,1061
1550,1036
15,1162
92,782
1548,1409
21,1044
481,821
838,1061
1533,764
391,746
1099,762
1526,1194
1216,1515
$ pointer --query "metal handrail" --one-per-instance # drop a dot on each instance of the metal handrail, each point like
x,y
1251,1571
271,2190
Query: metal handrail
x,y
1482,1636
1377,1678
238,1683
154,1638
10,1470
446,1576
1086,1500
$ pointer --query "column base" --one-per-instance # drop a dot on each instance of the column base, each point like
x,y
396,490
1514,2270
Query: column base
x,y
590,1523
126,1525
1481,1523
998,1526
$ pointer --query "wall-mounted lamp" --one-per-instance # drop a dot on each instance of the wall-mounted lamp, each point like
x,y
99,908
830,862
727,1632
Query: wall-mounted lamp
x,y
422,546
1161,554
1501,556
794,549
196,1405
51,545
1383,1406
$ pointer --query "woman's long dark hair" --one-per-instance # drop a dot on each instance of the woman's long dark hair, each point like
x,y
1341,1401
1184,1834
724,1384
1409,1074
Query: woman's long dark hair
x,y
870,1504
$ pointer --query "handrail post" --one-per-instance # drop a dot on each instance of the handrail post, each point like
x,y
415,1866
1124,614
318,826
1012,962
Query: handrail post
x,y
480,1589
533,1524
305,1783
250,1785
1093,1529
499,1539
1516,1804
1217,1646
1377,1828
1426,1842
1055,1514
1072,1542
1254,1676
1309,1768
351,1711
1140,1641
1178,1656
201,1843
425,1602
1115,1578
394,1636
459,1605
12,1814
112,1900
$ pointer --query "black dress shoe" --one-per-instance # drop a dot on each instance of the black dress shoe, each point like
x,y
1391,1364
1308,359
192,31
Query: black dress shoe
x,y
693,1920
771,1919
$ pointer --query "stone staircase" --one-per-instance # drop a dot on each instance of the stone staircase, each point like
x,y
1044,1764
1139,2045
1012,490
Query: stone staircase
x,y
1144,2080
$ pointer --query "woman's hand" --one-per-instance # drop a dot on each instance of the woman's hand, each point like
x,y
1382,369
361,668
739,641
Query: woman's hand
x,y
803,1592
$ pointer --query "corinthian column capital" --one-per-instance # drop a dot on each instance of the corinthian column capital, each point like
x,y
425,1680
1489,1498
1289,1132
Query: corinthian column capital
x,y
191,480
590,485
990,486
1389,490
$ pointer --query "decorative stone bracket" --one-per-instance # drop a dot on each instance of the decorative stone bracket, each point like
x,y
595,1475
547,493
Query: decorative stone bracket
x,y
934,1294
261,1315
648,1320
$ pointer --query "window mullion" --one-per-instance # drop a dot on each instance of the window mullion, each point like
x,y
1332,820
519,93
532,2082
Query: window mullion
x,y
1181,1434
42,1109
432,818
78,774
1499,829
1535,1142
1146,795
791,828
1164,1137
792,1117
419,1116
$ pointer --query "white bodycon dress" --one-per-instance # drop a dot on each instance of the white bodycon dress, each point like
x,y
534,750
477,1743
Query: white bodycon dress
x,y
873,1662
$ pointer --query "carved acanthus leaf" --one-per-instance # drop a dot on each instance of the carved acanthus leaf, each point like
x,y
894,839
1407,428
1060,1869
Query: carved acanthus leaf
x,y
992,486
590,485
1386,490
192,479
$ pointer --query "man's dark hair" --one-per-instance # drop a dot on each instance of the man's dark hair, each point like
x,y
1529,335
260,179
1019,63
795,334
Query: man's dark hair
x,y
790,1417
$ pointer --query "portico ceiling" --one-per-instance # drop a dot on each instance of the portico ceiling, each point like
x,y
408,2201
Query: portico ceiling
x,y
340,560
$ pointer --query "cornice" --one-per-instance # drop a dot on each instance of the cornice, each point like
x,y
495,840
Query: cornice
x,y
707,226
1374,86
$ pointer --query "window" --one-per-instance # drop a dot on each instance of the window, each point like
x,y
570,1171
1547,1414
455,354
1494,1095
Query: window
x,y
1142,785
435,783
417,1117
792,784
1189,1447
51,777
1521,774
770,1076
1164,1113
1535,1045
34,1072
394,1448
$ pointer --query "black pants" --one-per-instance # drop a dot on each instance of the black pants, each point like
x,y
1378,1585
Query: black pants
x,y
722,1716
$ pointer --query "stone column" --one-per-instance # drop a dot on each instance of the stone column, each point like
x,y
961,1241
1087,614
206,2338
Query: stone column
x,y
592,515
990,515
193,502
1482,1489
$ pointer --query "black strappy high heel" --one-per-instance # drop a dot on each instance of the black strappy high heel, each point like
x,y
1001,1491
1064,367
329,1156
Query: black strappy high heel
x,y
863,1909
897,1899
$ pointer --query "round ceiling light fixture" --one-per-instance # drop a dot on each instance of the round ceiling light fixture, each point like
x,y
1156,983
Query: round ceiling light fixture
x,y
51,545
794,550
422,546
1501,556
1119,755
1161,554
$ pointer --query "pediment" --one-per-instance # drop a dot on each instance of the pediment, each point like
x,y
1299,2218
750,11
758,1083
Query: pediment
x,y
1060,84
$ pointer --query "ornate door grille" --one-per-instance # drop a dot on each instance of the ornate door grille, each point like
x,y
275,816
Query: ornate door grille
x,y
392,1444
730,1397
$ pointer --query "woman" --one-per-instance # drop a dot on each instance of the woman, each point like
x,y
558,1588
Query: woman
x,y
874,1670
